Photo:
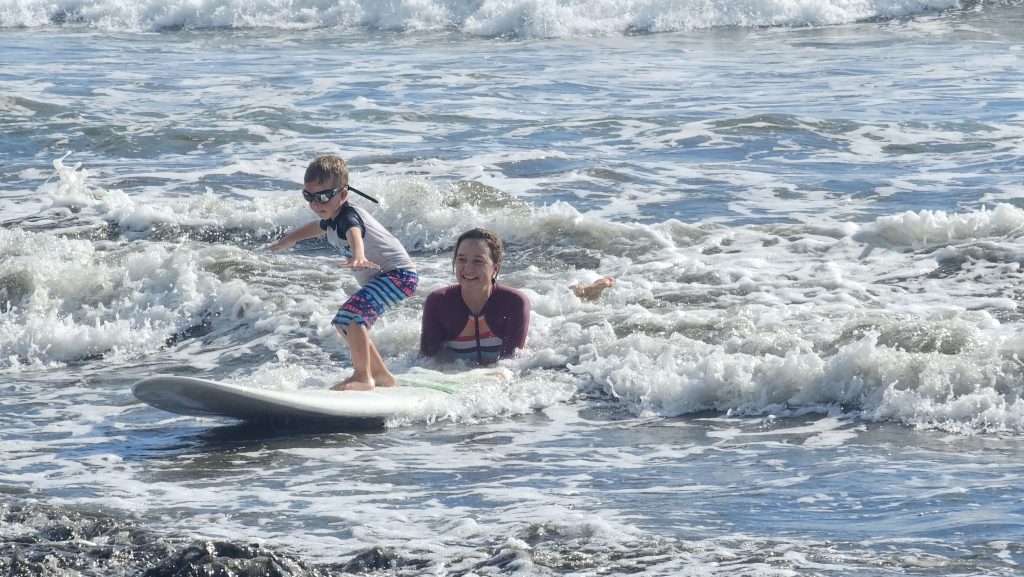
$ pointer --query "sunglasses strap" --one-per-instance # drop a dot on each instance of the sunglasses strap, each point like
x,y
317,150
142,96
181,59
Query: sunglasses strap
x,y
363,194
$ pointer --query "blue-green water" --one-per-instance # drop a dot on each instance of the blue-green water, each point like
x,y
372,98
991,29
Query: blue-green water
x,y
809,364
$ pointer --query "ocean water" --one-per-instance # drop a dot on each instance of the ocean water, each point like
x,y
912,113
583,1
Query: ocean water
x,y
810,363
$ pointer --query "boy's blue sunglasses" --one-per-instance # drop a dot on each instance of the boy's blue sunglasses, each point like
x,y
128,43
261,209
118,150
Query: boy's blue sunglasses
x,y
325,195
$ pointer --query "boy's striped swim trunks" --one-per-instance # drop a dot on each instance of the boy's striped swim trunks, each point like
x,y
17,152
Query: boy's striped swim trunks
x,y
373,298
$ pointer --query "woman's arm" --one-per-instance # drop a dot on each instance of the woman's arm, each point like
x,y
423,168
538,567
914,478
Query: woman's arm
x,y
431,331
517,326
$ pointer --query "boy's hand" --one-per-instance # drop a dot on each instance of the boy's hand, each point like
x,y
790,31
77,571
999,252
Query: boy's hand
x,y
360,263
281,245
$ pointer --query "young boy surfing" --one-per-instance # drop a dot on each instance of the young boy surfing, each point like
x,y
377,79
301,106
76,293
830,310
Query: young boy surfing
x,y
381,265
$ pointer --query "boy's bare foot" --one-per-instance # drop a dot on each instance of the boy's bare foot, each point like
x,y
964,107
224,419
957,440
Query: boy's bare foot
x,y
592,291
353,383
353,386
385,381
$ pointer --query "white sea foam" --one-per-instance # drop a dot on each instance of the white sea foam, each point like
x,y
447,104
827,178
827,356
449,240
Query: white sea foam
x,y
70,298
937,228
543,18
739,319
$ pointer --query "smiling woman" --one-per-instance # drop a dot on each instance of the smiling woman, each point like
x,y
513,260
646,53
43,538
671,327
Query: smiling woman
x,y
477,319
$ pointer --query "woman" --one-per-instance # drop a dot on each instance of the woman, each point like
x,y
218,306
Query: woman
x,y
477,319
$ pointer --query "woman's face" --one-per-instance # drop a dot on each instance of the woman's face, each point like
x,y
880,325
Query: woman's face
x,y
474,268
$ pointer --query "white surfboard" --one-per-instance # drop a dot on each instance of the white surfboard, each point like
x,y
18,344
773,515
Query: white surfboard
x,y
417,392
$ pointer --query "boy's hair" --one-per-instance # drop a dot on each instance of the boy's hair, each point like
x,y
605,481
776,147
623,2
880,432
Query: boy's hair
x,y
327,169
491,239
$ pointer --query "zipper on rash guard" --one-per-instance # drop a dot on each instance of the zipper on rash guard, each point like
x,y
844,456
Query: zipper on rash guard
x,y
476,329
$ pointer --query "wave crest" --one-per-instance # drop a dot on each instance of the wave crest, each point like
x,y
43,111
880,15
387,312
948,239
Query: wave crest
x,y
488,18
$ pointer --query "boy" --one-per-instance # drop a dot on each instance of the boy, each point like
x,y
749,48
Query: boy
x,y
382,266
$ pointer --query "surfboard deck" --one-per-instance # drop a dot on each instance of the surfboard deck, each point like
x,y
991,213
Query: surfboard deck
x,y
416,393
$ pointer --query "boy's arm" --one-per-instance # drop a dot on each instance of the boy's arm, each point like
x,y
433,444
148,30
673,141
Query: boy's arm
x,y
308,230
355,242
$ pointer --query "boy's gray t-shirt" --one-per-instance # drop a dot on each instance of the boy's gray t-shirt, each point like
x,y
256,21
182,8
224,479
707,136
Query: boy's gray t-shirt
x,y
379,245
